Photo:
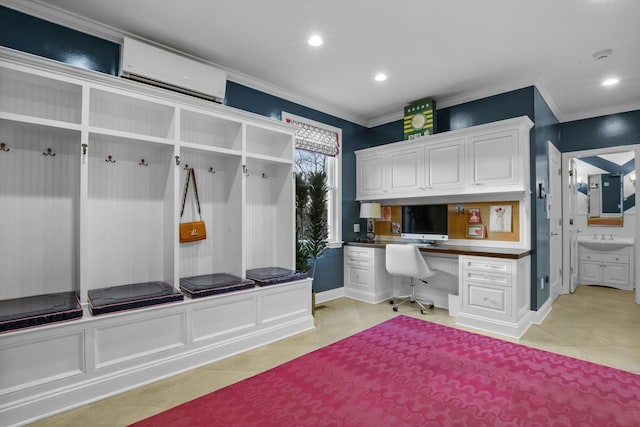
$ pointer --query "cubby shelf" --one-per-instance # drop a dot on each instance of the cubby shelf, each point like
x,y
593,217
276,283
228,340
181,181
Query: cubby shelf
x,y
92,170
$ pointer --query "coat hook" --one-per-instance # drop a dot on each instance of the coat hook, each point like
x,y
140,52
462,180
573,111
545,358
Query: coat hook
x,y
143,163
245,170
110,159
211,170
177,160
3,147
186,167
84,148
49,152
264,176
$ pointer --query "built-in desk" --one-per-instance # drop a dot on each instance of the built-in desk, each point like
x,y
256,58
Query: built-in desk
x,y
483,287
458,250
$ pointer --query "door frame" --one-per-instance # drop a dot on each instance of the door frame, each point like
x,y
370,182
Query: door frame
x,y
567,221
554,213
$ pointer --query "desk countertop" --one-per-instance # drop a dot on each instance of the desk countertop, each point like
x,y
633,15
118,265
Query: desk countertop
x,y
459,250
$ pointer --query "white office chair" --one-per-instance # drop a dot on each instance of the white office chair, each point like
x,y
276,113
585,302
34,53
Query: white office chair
x,y
407,261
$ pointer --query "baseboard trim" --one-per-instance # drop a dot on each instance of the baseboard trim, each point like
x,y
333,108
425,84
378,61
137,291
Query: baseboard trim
x,y
331,294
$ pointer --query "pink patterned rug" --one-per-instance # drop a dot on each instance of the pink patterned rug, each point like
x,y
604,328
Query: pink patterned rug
x,y
411,372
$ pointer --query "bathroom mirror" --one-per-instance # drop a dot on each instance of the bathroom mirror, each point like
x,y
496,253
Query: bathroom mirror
x,y
605,193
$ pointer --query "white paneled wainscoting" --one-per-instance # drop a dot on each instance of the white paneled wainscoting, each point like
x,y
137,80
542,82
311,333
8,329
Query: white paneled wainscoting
x,y
53,368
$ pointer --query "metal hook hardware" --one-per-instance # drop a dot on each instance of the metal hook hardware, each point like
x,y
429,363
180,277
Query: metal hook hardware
x,y
245,170
264,176
211,170
110,159
3,147
177,160
84,148
186,167
49,152
143,163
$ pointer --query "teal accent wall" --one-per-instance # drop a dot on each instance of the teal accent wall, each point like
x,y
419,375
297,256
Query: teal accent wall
x,y
39,37
546,129
601,132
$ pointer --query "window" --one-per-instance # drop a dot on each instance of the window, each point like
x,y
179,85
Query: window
x,y
318,148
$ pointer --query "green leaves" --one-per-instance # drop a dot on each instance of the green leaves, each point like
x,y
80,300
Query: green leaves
x,y
311,218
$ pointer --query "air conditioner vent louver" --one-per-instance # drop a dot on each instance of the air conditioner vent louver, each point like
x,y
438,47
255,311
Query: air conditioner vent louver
x,y
148,64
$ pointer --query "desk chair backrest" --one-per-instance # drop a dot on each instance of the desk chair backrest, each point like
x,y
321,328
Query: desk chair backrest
x,y
406,260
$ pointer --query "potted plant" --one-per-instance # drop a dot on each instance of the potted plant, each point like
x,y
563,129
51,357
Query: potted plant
x,y
311,221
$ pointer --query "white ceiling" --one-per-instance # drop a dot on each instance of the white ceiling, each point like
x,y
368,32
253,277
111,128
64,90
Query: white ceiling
x,y
453,51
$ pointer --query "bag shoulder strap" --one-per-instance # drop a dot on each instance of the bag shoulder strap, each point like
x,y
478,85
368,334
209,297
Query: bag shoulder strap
x,y
184,193
190,174
195,190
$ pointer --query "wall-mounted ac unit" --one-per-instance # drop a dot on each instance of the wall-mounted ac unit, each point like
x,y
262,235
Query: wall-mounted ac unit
x,y
148,64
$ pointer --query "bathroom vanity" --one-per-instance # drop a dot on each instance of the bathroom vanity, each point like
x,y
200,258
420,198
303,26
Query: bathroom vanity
x,y
606,260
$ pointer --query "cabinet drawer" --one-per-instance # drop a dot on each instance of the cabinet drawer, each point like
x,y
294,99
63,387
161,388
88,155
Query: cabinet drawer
x,y
487,277
359,276
358,262
493,302
484,264
604,258
355,252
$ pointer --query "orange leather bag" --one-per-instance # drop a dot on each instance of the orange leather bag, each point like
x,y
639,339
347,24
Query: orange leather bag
x,y
191,231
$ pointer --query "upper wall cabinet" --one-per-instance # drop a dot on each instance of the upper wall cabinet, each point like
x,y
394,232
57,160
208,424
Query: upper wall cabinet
x,y
490,158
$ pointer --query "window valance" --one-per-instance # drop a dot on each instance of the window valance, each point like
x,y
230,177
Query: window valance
x,y
314,138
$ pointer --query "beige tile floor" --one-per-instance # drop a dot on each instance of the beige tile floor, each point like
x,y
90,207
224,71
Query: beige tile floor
x,y
597,324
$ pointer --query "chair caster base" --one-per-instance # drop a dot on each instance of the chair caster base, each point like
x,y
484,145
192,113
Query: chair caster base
x,y
395,309
391,301
423,311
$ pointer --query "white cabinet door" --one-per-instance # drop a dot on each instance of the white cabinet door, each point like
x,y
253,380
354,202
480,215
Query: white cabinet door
x,y
444,166
370,177
616,275
405,171
494,159
590,272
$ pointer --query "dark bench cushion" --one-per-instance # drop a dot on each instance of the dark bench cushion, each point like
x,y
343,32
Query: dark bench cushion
x,y
273,275
128,297
212,284
37,310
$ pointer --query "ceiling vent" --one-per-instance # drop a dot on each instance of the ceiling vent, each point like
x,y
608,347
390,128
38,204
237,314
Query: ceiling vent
x,y
158,67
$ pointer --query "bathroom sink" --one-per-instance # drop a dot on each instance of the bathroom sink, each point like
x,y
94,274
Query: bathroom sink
x,y
605,245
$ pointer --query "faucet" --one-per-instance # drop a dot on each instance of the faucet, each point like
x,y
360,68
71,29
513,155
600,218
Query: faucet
x,y
602,236
610,236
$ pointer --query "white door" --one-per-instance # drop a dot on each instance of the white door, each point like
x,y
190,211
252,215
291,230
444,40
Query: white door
x,y
573,230
554,213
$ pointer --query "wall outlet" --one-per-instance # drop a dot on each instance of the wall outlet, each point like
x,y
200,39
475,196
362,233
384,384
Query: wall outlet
x,y
356,228
542,283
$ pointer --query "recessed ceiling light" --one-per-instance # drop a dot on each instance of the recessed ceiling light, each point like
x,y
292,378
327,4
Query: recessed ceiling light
x,y
380,77
610,82
315,41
